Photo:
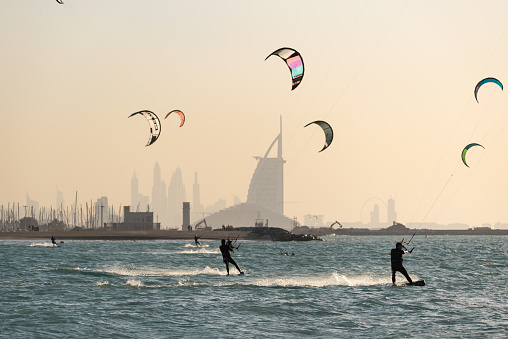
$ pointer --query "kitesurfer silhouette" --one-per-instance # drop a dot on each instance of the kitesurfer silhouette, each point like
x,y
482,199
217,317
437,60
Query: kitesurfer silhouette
x,y
196,241
226,256
396,255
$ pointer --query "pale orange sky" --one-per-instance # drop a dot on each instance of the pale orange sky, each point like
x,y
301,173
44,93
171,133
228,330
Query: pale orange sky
x,y
395,79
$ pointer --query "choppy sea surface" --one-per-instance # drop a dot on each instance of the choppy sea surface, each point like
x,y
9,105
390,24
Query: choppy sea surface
x,y
337,288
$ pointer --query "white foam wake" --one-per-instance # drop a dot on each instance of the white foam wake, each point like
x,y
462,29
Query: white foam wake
x,y
335,279
154,272
42,244
192,245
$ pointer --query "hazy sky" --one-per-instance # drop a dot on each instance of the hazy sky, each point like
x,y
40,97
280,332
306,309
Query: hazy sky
x,y
395,79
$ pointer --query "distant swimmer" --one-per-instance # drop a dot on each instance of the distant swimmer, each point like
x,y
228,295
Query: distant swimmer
x,y
225,249
53,240
196,241
397,254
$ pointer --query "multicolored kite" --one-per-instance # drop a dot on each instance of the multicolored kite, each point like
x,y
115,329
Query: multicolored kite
x,y
484,81
294,61
464,151
180,113
328,132
155,125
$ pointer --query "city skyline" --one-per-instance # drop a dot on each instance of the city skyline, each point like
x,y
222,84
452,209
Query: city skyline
x,y
110,212
394,79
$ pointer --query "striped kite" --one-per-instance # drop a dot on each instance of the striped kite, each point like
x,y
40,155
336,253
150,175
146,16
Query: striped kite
x,y
294,61
155,125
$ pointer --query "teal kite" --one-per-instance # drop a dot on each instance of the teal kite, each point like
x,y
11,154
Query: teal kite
x,y
484,81
464,151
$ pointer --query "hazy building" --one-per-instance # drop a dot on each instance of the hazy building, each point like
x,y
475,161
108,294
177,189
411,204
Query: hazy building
x,y
196,199
392,215
145,204
374,215
135,196
176,196
156,190
266,188
265,198
163,214
217,206
32,207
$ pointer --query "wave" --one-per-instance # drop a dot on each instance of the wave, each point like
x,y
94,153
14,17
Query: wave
x,y
134,283
198,251
192,245
41,244
335,279
152,272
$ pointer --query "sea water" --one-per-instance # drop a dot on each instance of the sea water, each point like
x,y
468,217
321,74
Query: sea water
x,y
337,288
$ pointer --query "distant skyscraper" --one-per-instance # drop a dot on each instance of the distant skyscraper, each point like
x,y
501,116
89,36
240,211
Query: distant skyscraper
x,y
196,200
176,197
392,215
156,192
163,210
266,188
374,215
135,196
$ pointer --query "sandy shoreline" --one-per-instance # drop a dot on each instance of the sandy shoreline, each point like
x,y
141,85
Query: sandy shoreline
x,y
123,235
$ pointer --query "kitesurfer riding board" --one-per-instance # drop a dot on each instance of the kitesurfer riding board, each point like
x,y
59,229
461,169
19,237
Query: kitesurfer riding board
x,y
396,260
53,241
225,249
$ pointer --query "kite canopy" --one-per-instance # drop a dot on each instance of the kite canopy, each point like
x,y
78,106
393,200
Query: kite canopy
x,y
484,81
464,151
327,129
60,2
294,61
180,113
155,125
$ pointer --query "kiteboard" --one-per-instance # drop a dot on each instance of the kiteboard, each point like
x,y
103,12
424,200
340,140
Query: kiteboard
x,y
416,283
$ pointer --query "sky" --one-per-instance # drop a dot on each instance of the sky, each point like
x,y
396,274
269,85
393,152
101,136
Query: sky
x,y
394,79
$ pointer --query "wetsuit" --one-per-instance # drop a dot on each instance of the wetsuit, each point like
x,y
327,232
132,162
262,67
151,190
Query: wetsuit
x,y
397,264
53,240
196,241
226,257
